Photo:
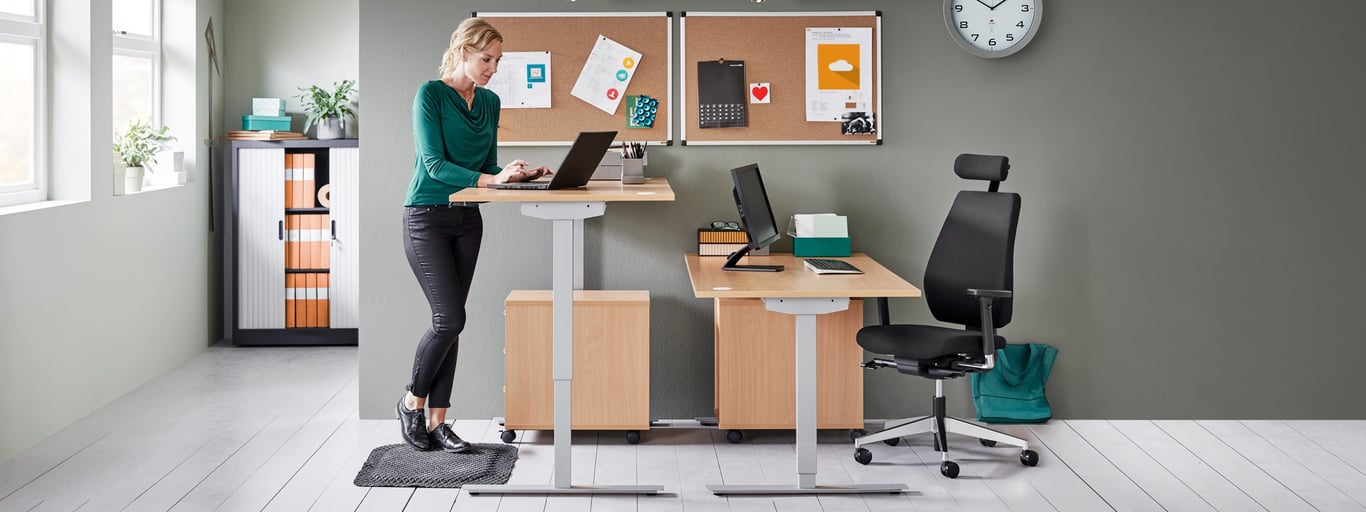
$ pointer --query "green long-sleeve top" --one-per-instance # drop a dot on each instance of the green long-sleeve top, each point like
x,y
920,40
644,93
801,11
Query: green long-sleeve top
x,y
454,143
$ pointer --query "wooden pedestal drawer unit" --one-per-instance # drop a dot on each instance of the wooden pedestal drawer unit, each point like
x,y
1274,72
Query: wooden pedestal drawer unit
x,y
611,389
756,367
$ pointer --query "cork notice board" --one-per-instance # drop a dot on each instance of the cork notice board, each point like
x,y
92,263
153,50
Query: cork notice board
x,y
570,38
773,48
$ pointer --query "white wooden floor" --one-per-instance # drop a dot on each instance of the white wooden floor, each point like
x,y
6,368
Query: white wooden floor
x,y
277,429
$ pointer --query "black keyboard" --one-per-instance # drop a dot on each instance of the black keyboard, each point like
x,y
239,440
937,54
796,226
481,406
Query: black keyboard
x,y
829,266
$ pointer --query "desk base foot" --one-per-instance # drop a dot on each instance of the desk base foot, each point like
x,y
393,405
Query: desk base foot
x,y
577,489
721,490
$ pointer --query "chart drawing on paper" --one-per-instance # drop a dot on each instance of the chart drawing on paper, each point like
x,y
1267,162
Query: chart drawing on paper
x,y
839,72
523,80
606,75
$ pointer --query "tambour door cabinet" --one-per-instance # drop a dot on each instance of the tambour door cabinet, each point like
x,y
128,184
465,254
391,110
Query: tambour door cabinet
x,y
291,250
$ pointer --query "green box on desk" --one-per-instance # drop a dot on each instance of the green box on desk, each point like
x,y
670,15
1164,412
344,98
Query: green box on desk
x,y
276,123
820,247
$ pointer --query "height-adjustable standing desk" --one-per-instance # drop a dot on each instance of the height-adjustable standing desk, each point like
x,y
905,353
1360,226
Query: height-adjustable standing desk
x,y
803,294
566,209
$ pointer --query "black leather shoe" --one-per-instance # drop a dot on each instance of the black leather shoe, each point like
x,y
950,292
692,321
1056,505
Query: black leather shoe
x,y
413,424
444,438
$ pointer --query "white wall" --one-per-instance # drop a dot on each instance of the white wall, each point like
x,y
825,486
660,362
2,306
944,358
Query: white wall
x,y
99,296
276,47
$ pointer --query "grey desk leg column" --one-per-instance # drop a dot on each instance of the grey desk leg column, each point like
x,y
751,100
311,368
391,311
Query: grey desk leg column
x,y
578,254
806,311
566,272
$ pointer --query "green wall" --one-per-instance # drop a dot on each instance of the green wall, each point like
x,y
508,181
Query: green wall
x,y
1189,172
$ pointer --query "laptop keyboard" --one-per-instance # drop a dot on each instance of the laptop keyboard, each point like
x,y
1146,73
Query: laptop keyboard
x,y
534,185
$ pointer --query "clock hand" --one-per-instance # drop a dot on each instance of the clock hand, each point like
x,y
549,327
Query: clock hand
x,y
998,4
987,5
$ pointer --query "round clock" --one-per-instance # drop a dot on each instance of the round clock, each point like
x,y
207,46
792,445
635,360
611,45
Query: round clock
x,y
993,28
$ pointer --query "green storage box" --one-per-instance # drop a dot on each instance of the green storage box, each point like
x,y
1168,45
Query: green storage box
x,y
819,247
276,123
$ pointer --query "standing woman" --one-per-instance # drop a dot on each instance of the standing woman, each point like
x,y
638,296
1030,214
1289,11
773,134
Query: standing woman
x,y
455,134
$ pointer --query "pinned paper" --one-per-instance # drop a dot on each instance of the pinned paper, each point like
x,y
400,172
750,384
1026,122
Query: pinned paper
x,y
759,92
604,78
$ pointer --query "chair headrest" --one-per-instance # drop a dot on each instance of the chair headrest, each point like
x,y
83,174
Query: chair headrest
x,y
981,167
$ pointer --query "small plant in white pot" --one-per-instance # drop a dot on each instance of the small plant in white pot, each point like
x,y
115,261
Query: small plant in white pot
x,y
136,148
328,109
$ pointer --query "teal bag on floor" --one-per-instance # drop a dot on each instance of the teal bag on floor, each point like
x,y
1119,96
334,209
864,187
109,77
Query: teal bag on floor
x,y
1013,391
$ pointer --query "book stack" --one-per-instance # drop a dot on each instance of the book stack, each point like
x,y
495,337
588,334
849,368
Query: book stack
x,y
262,135
721,242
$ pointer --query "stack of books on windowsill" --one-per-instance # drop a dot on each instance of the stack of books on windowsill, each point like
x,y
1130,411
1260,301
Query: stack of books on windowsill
x,y
262,135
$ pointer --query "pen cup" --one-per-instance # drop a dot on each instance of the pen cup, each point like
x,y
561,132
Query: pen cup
x,y
632,171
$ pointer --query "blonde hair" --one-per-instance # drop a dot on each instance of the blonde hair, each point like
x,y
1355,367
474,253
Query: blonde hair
x,y
473,35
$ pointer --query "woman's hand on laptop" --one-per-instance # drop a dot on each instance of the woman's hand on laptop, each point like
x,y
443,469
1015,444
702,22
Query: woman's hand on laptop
x,y
532,174
512,172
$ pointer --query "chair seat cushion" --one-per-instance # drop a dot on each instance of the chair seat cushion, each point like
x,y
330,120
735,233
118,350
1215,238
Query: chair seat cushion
x,y
916,342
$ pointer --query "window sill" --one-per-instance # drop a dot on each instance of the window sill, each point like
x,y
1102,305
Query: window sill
x,y
29,207
150,188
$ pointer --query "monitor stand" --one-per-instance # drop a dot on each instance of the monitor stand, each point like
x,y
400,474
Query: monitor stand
x,y
732,263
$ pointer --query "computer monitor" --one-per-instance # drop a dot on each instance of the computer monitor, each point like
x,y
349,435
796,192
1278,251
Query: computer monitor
x,y
751,199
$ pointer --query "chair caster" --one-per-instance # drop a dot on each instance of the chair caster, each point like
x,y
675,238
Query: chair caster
x,y
863,456
949,468
1029,458
633,436
987,442
735,436
857,433
893,441
508,436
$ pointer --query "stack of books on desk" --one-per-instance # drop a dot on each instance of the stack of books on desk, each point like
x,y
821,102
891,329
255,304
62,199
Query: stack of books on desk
x,y
723,242
262,135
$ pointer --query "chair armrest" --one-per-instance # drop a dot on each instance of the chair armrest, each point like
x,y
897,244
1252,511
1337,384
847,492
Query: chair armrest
x,y
985,298
884,316
998,294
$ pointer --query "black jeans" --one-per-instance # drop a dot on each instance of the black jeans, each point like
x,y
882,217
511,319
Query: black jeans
x,y
442,244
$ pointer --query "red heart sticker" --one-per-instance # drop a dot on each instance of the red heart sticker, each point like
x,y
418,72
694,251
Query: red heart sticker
x,y
759,92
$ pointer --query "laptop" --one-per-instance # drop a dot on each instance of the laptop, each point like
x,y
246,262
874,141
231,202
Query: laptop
x,y
578,165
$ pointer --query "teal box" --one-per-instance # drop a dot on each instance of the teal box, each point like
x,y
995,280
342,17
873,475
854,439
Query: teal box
x,y
276,123
820,247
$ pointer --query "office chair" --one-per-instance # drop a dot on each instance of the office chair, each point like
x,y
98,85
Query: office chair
x,y
968,282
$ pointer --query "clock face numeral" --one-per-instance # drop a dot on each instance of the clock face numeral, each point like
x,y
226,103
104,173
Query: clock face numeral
x,y
993,25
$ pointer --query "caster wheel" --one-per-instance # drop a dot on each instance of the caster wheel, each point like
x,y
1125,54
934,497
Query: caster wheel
x,y
734,436
863,456
1029,458
893,441
857,433
987,442
633,436
949,468
508,436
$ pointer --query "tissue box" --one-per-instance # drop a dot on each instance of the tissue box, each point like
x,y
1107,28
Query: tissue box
x,y
820,247
274,107
276,123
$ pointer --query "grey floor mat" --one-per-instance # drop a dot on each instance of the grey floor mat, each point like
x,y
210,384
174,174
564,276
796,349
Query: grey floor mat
x,y
400,465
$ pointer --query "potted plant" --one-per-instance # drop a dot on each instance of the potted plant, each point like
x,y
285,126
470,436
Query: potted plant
x,y
328,109
136,148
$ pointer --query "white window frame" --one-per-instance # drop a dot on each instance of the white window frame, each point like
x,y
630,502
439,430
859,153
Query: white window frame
x,y
31,30
138,45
